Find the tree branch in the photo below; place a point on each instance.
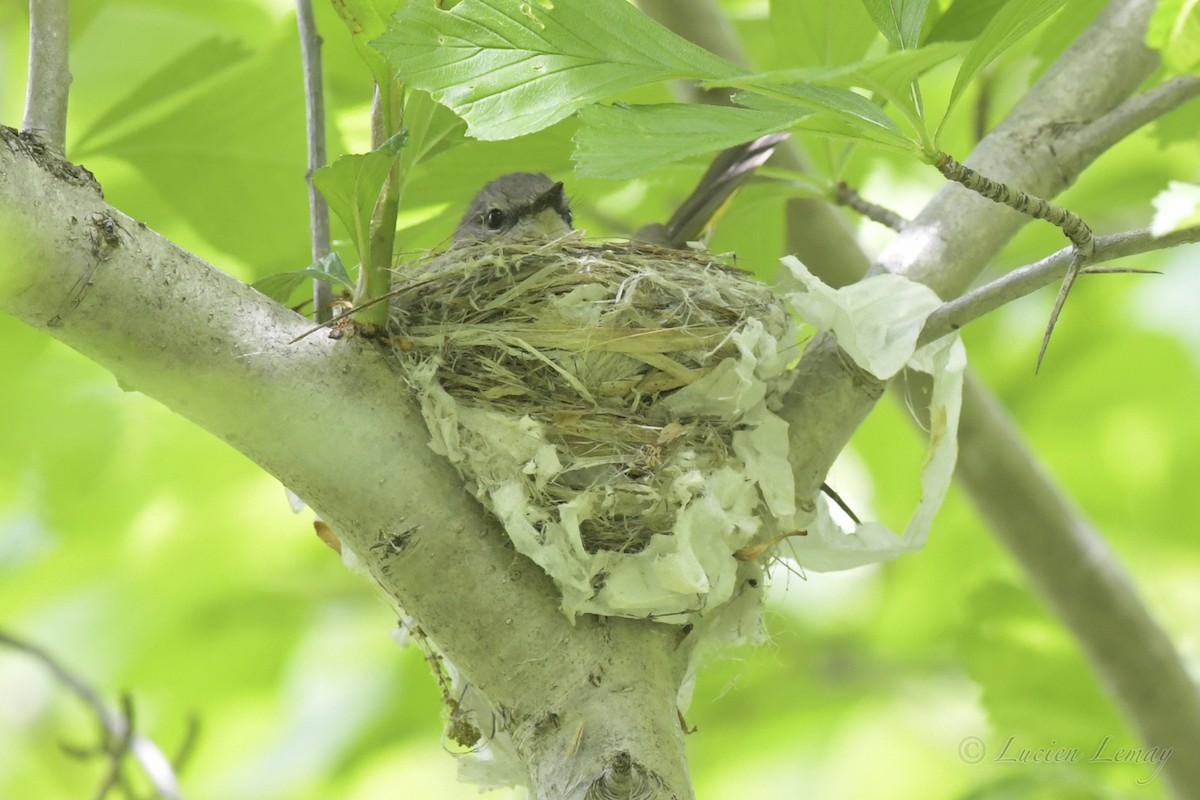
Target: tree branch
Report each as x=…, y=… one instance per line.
x=1072, y=567
x=1095, y=139
x=314, y=104
x=49, y=72
x=214, y=350
x=1099, y=135
x=1031, y=277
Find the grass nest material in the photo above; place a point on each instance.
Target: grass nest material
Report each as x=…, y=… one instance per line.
x=588, y=378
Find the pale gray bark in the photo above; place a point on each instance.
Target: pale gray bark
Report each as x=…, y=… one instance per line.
x=171, y=326
x=49, y=72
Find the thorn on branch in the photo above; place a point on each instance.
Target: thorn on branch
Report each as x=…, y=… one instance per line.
x=1070, y=223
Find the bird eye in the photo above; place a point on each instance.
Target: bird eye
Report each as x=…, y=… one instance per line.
x=568, y=217
x=494, y=219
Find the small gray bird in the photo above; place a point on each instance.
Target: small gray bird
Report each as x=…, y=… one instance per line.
x=519, y=205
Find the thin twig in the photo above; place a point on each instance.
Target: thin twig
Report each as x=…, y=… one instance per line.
x=314, y=103
x=117, y=748
x=49, y=72
x=116, y=730
x=849, y=197
x=837, y=498
x=1098, y=136
x=1031, y=277
x=66, y=677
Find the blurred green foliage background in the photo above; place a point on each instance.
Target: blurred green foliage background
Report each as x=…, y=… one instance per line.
x=153, y=559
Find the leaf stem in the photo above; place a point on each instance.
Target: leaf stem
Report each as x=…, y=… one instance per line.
x=1071, y=224
x=375, y=274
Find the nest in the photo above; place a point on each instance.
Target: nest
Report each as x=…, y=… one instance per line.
x=588, y=392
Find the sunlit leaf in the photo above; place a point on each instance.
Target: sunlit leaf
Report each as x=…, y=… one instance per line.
x=895, y=70
x=235, y=145
x=817, y=33
x=431, y=127
x=841, y=102
x=512, y=68
x=899, y=20
x=1178, y=206
x=964, y=20
x=834, y=126
x=365, y=20
x=1007, y=628
x=1017, y=18
x=352, y=185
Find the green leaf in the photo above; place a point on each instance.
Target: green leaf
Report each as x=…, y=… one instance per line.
x=841, y=102
x=367, y=19
x=899, y=20
x=1007, y=629
x=1175, y=32
x=626, y=141
x=889, y=77
x=895, y=70
x=352, y=185
x=838, y=102
x=432, y=129
x=843, y=127
x=1017, y=18
x=964, y=20
x=281, y=285
x=838, y=128
x=511, y=68
x=817, y=33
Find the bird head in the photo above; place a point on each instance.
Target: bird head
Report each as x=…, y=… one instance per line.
x=519, y=205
